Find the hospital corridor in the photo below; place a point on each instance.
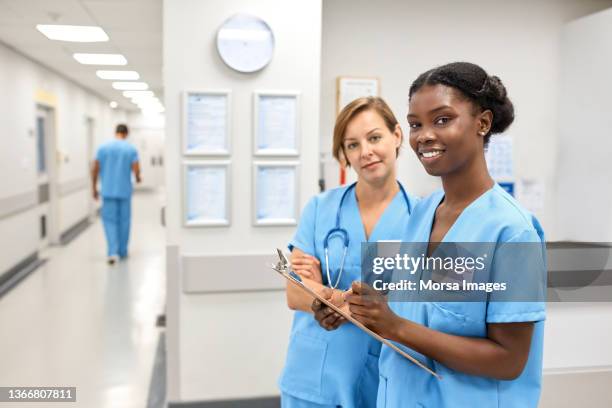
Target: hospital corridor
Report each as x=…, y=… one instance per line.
x=305, y=203
x=77, y=320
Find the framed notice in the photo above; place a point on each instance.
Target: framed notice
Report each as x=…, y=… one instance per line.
x=348, y=89
x=276, y=123
x=206, y=194
x=275, y=193
x=498, y=156
x=206, y=123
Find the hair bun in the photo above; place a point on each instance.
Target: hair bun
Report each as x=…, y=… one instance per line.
x=495, y=88
x=503, y=110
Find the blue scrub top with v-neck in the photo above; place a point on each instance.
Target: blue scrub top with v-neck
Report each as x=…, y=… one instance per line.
x=495, y=217
x=338, y=367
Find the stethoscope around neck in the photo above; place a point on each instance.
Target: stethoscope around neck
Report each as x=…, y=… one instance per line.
x=343, y=234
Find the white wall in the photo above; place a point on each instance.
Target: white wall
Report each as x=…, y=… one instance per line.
x=397, y=40
x=147, y=133
x=585, y=137
x=191, y=62
x=578, y=335
x=19, y=232
x=21, y=80
x=210, y=367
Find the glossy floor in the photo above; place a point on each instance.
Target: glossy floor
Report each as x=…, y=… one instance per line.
x=77, y=321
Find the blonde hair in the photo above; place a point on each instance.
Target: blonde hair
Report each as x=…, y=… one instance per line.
x=349, y=112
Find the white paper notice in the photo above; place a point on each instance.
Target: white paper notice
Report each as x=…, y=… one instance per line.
x=531, y=193
x=206, y=194
x=276, y=194
x=276, y=123
x=499, y=157
x=206, y=123
x=353, y=88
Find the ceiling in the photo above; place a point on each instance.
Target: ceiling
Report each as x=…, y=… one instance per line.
x=134, y=28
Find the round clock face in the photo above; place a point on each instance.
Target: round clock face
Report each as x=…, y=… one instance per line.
x=245, y=43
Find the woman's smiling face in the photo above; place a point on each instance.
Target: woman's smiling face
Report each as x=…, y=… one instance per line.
x=446, y=129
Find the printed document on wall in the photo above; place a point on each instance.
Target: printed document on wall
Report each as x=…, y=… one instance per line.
x=276, y=195
x=276, y=123
x=499, y=157
x=350, y=89
x=207, y=123
x=206, y=194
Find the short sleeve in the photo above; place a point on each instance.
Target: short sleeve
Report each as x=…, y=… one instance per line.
x=100, y=155
x=304, y=238
x=134, y=156
x=520, y=264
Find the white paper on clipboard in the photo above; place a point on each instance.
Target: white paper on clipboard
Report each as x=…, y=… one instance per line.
x=347, y=316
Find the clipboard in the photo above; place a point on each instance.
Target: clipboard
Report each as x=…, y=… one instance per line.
x=283, y=267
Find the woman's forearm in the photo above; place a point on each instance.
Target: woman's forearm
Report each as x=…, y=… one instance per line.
x=476, y=356
x=298, y=299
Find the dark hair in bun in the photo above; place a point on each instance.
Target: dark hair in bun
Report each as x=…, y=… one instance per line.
x=486, y=92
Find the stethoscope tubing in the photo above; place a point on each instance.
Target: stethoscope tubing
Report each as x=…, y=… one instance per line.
x=337, y=230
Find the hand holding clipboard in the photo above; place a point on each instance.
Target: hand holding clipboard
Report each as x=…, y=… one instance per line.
x=283, y=267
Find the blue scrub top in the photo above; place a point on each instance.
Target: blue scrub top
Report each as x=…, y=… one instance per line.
x=116, y=158
x=338, y=367
x=495, y=217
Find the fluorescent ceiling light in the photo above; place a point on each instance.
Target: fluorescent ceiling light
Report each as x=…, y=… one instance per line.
x=130, y=86
x=137, y=94
x=72, y=33
x=119, y=75
x=151, y=107
x=100, y=59
x=145, y=99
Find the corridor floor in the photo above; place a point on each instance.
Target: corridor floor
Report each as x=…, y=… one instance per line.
x=76, y=321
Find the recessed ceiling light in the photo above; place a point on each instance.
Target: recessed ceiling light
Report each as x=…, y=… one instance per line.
x=100, y=59
x=130, y=86
x=144, y=99
x=142, y=95
x=148, y=103
x=72, y=33
x=137, y=94
x=119, y=75
x=156, y=108
x=113, y=104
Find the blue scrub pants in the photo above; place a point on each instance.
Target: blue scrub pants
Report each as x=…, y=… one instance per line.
x=116, y=217
x=289, y=401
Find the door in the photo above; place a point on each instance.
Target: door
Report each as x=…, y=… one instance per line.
x=46, y=164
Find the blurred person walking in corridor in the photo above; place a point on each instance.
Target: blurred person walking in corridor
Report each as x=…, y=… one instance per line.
x=115, y=162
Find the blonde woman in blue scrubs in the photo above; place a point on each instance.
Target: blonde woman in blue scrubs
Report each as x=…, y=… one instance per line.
x=489, y=354
x=339, y=368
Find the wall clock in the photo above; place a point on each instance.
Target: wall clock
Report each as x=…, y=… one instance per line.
x=245, y=43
